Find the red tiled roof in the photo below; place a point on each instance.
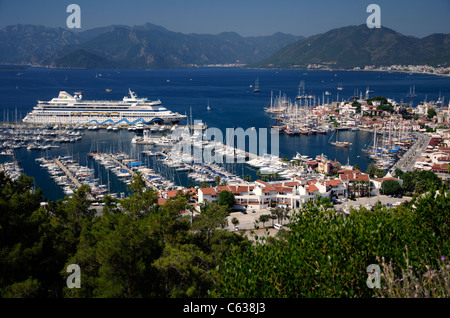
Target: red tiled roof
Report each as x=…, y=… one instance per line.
x=439, y=167
x=161, y=201
x=291, y=184
x=281, y=189
x=354, y=177
x=210, y=191
x=171, y=193
x=333, y=183
x=348, y=171
x=311, y=188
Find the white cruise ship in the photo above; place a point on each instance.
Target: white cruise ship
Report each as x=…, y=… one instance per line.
x=68, y=109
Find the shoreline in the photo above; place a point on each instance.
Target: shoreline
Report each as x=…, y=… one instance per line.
x=221, y=66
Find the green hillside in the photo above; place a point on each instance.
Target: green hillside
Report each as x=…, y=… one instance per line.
x=354, y=46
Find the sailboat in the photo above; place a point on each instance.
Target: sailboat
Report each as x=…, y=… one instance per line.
x=338, y=143
x=208, y=108
x=340, y=87
x=301, y=91
x=412, y=93
x=257, y=90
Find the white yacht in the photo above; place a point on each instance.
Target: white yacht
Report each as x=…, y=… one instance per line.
x=68, y=109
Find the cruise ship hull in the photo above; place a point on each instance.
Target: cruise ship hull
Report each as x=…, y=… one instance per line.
x=90, y=119
x=68, y=109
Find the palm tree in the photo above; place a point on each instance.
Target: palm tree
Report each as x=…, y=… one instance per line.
x=217, y=180
x=277, y=213
x=235, y=221
x=248, y=178
x=286, y=213
x=264, y=218
x=357, y=185
x=366, y=188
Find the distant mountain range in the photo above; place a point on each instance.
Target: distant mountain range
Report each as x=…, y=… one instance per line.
x=146, y=46
x=355, y=46
x=152, y=46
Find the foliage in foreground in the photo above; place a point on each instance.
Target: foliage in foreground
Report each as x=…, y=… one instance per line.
x=138, y=248
x=326, y=255
x=135, y=249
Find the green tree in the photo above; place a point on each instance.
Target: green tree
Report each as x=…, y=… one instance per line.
x=398, y=172
x=323, y=253
x=217, y=180
x=373, y=171
x=264, y=218
x=213, y=217
x=205, y=185
x=389, y=187
x=235, y=221
x=226, y=198
x=419, y=181
x=142, y=200
x=431, y=112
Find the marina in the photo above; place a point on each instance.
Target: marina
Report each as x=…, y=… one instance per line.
x=321, y=112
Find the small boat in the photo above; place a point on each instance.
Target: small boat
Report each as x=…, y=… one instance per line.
x=338, y=143
x=256, y=89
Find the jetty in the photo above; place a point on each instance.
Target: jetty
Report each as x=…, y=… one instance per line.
x=71, y=176
x=129, y=170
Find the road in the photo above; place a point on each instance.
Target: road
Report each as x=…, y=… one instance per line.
x=407, y=161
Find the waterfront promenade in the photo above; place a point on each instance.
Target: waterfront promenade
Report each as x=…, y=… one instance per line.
x=406, y=162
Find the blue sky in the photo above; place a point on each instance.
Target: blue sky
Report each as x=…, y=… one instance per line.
x=247, y=17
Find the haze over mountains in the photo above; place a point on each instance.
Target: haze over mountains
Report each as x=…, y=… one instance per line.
x=152, y=46
x=146, y=46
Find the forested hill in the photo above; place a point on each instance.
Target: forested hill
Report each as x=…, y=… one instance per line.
x=358, y=46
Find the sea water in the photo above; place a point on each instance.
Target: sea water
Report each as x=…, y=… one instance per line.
x=228, y=92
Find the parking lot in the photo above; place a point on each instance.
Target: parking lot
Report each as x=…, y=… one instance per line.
x=247, y=220
x=371, y=201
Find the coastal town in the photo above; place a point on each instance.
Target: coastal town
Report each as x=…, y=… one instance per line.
x=405, y=139
x=410, y=69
